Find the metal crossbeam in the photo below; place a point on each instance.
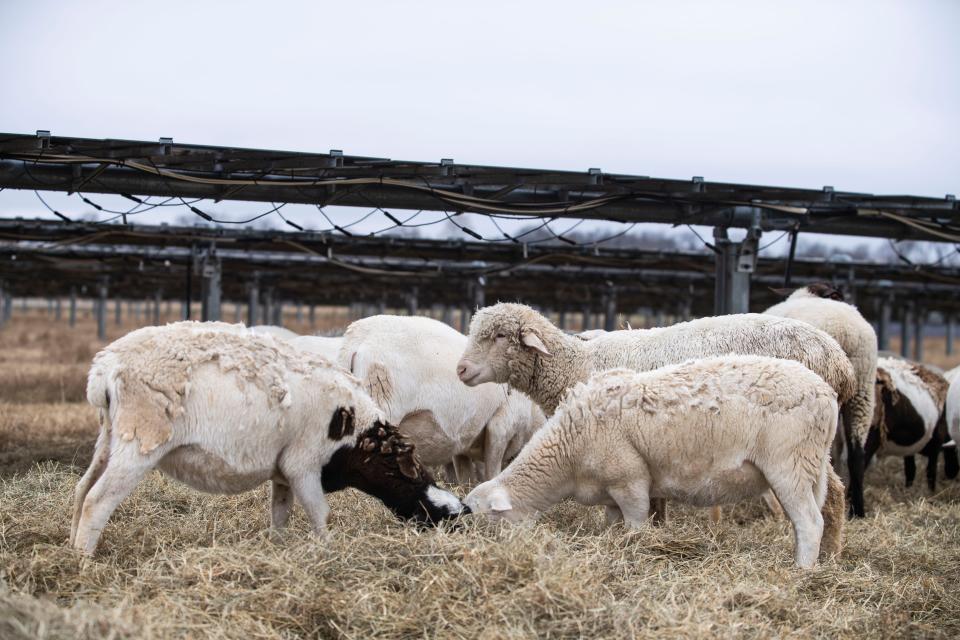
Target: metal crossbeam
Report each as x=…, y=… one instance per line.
x=193, y=171
x=53, y=258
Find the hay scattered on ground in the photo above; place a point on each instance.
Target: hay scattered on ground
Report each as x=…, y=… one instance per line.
x=176, y=563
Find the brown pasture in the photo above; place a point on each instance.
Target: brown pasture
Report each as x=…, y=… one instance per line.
x=175, y=563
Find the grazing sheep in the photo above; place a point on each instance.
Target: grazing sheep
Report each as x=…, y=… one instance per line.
x=223, y=411
x=952, y=414
x=822, y=306
x=908, y=416
x=329, y=348
x=273, y=330
x=408, y=365
x=513, y=343
x=624, y=437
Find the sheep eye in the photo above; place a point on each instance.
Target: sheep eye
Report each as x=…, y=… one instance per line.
x=501, y=335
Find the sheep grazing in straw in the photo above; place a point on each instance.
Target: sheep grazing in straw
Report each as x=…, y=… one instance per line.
x=407, y=365
x=515, y=344
x=822, y=306
x=909, y=416
x=624, y=437
x=224, y=410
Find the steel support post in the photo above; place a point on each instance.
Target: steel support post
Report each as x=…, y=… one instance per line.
x=73, y=306
x=948, y=319
x=118, y=312
x=312, y=316
x=735, y=262
x=210, y=273
x=157, y=301
x=58, y=309
x=412, y=305
x=253, y=303
x=102, y=310
x=919, y=322
x=267, y=306
x=3, y=305
x=585, y=317
x=883, y=323
x=610, y=310
x=562, y=319
x=446, y=315
x=479, y=293
x=299, y=312
x=905, y=321
x=277, y=313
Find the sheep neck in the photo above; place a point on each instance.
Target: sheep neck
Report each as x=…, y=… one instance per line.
x=548, y=378
x=540, y=475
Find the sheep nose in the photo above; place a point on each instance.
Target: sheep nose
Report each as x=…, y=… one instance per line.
x=461, y=369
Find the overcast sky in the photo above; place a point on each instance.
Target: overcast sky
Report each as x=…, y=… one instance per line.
x=864, y=96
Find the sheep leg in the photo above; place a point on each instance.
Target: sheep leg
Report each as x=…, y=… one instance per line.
x=124, y=470
x=101, y=454
x=634, y=502
x=464, y=469
x=773, y=505
x=932, y=453
x=909, y=470
x=856, y=465
x=951, y=462
x=658, y=508
x=281, y=502
x=494, y=448
x=450, y=472
x=613, y=515
x=801, y=508
x=309, y=492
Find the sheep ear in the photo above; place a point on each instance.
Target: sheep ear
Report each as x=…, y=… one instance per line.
x=341, y=423
x=783, y=293
x=532, y=340
x=500, y=501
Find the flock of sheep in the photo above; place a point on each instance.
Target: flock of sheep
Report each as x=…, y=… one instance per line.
x=706, y=412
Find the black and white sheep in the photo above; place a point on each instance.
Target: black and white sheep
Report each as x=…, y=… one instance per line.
x=908, y=417
x=224, y=410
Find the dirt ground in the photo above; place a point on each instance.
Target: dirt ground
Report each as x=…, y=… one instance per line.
x=175, y=563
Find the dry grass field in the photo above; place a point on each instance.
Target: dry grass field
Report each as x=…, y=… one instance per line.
x=175, y=563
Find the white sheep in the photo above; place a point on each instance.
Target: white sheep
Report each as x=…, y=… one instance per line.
x=224, y=410
x=324, y=346
x=822, y=306
x=515, y=344
x=953, y=423
x=624, y=437
x=408, y=364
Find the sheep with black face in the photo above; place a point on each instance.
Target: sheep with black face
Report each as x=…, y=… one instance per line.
x=223, y=411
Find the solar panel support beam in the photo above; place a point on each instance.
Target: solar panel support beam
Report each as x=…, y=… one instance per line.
x=735, y=262
x=102, y=291
x=210, y=272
